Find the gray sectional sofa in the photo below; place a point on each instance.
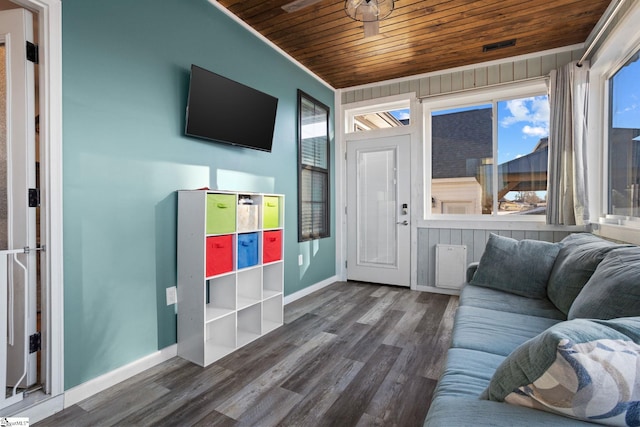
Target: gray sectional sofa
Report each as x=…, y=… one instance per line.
x=545, y=334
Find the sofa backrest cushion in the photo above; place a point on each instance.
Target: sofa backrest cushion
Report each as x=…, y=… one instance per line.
x=519, y=267
x=577, y=260
x=585, y=369
x=614, y=288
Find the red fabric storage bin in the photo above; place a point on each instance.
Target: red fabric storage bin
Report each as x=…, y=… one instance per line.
x=219, y=254
x=272, y=246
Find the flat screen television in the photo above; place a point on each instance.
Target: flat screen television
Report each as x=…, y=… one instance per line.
x=222, y=110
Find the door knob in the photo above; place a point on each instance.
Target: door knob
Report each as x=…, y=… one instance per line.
x=405, y=222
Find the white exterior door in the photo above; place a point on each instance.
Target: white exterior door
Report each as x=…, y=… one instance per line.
x=17, y=219
x=378, y=210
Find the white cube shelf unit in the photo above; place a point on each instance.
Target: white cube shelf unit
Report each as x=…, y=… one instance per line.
x=230, y=271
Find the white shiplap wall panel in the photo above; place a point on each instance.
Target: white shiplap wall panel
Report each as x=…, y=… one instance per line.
x=534, y=68
x=481, y=76
x=445, y=83
x=475, y=240
x=451, y=81
x=434, y=85
x=493, y=73
x=469, y=79
x=548, y=63
x=506, y=72
x=520, y=70
x=457, y=81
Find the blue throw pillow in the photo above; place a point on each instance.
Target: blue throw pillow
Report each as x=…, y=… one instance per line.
x=577, y=260
x=519, y=267
x=614, y=288
x=583, y=369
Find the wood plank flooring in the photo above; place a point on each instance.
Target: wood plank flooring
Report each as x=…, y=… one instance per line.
x=351, y=354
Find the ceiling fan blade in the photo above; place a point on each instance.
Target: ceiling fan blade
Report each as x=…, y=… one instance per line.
x=296, y=5
x=371, y=28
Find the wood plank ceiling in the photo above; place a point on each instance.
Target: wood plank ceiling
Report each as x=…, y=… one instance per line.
x=419, y=36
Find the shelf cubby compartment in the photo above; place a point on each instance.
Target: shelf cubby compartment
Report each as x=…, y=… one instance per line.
x=272, y=279
x=249, y=249
x=221, y=297
x=271, y=246
x=220, y=338
x=272, y=313
x=221, y=213
x=272, y=212
x=249, y=324
x=248, y=215
x=220, y=254
x=249, y=287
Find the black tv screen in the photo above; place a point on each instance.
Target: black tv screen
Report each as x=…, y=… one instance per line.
x=220, y=109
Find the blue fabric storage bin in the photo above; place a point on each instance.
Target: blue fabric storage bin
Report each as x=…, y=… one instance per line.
x=247, y=250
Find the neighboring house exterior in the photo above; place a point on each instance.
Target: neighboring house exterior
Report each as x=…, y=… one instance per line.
x=625, y=171
x=461, y=147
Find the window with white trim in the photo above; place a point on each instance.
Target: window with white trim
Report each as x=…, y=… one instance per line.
x=313, y=168
x=488, y=157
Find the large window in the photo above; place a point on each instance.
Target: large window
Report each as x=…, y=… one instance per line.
x=490, y=158
x=313, y=168
x=624, y=140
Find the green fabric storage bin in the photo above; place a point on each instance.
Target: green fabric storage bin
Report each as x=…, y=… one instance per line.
x=221, y=213
x=271, y=212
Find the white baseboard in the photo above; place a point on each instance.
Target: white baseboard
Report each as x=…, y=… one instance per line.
x=435, y=290
x=310, y=289
x=96, y=385
x=42, y=409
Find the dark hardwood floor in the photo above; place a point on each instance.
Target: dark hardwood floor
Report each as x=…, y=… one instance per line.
x=351, y=354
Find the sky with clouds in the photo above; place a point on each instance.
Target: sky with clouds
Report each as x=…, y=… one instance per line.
x=522, y=122
x=626, y=96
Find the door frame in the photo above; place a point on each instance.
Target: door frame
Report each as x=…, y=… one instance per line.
x=49, y=14
x=345, y=110
x=400, y=273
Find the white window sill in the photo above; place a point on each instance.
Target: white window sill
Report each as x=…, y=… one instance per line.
x=623, y=229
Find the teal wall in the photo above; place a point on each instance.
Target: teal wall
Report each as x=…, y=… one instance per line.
x=125, y=81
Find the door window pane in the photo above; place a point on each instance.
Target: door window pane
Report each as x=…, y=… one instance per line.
x=377, y=201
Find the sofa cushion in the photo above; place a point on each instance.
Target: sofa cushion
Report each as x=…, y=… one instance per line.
x=519, y=267
x=467, y=372
x=476, y=296
x=584, y=369
x=452, y=411
x=495, y=332
x=578, y=258
x=614, y=288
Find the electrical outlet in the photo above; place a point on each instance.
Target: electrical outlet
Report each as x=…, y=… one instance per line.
x=172, y=296
x=300, y=261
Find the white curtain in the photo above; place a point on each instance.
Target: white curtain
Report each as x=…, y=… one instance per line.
x=567, y=198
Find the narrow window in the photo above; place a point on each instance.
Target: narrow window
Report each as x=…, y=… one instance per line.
x=624, y=140
x=388, y=118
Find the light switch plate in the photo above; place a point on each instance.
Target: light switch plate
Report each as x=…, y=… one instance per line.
x=300, y=259
x=172, y=296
